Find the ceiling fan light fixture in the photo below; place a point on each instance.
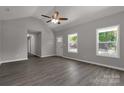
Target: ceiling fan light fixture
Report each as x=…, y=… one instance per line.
x=55, y=21
x=55, y=18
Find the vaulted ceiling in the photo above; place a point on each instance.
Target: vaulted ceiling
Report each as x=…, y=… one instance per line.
x=13, y=12
x=76, y=14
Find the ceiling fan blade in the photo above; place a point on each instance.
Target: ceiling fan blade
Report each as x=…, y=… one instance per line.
x=46, y=16
x=63, y=18
x=48, y=21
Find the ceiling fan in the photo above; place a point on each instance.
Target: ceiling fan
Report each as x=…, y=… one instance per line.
x=55, y=18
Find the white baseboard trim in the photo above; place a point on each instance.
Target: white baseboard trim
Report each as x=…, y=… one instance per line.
x=7, y=61
x=48, y=56
x=94, y=63
x=37, y=55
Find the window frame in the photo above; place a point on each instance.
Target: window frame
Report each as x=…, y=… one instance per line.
x=77, y=42
x=105, y=29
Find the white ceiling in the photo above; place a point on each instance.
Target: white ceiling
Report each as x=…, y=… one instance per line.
x=76, y=14
x=13, y=12
x=82, y=14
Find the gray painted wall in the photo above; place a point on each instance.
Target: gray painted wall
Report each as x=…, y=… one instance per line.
x=14, y=40
x=14, y=36
x=87, y=40
x=38, y=44
x=0, y=40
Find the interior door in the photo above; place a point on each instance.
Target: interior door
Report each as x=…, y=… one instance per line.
x=59, y=46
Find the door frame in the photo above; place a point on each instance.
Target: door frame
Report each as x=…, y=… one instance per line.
x=34, y=32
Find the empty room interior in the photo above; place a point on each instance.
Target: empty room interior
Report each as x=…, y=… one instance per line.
x=61, y=46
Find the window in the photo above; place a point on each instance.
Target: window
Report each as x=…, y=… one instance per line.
x=108, y=41
x=73, y=43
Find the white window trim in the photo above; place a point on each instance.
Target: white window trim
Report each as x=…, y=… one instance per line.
x=118, y=41
x=77, y=43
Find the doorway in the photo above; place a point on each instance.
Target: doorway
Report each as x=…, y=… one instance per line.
x=33, y=44
x=59, y=46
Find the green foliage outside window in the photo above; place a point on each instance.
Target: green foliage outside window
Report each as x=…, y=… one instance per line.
x=73, y=39
x=107, y=36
